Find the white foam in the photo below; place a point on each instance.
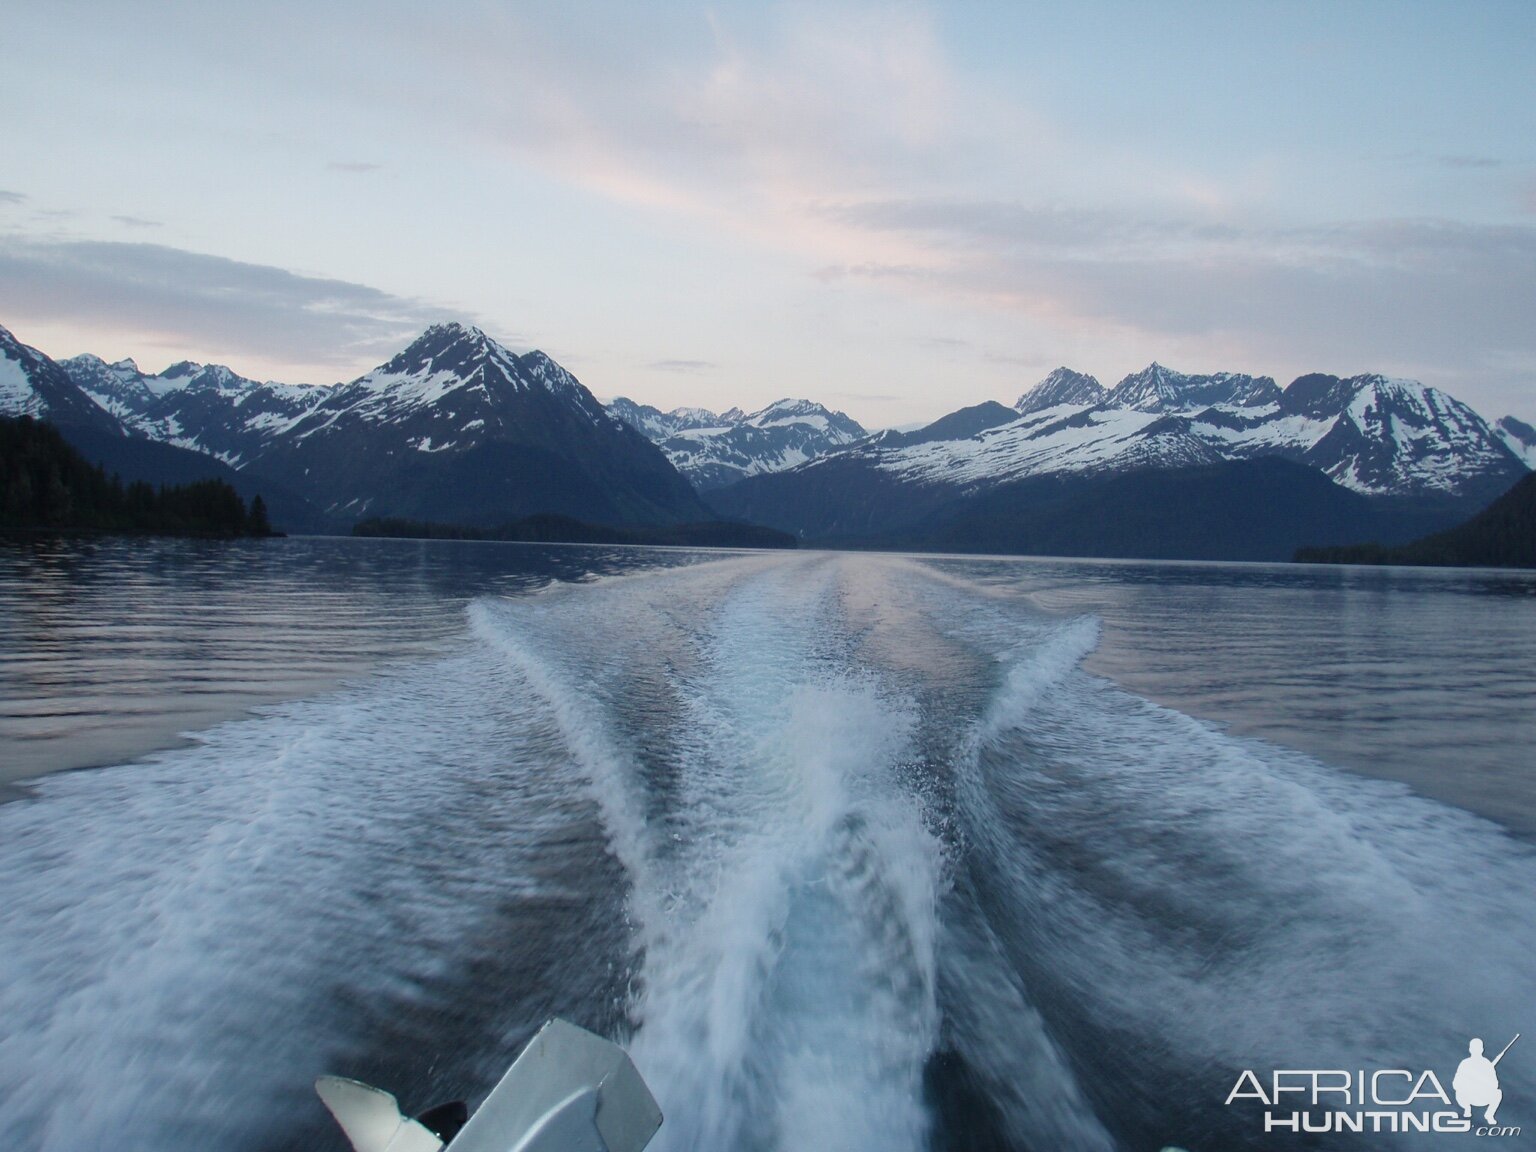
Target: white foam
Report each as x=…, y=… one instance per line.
x=173, y=928
x=785, y=898
x=1240, y=905
x=790, y=994
x=769, y=743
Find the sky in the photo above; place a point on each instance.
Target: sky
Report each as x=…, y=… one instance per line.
x=895, y=209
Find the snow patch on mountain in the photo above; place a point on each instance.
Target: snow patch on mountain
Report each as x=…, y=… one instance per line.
x=32, y=384
x=451, y=374
x=1063, y=438
x=715, y=449
x=1373, y=434
x=456, y=420
x=1062, y=386
x=1159, y=389
x=207, y=408
x=657, y=425
x=1519, y=437
x=16, y=395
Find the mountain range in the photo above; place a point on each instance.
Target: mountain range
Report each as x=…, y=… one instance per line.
x=716, y=450
x=457, y=429
x=1418, y=459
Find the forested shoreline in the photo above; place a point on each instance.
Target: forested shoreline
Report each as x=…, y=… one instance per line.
x=46, y=485
x=1502, y=535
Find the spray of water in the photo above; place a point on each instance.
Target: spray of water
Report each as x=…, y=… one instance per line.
x=828, y=822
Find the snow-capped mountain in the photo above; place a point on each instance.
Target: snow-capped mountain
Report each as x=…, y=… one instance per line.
x=1385, y=436
x=31, y=384
x=454, y=387
x=458, y=428
x=1371, y=435
x=105, y=423
x=455, y=428
x=715, y=450
x=1159, y=389
x=1374, y=435
x=657, y=425
x=1063, y=386
x=207, y=408
x=119, y=388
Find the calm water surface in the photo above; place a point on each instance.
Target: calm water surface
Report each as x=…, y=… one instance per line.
x=112, y=648
x=852, y=851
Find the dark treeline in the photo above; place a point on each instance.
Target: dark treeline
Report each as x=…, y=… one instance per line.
x=551, y=529
x=46, y=484
x=1502, y=535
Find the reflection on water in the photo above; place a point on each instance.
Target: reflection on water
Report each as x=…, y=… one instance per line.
x=109, y=648
x=1420, y=675
x=112, y=648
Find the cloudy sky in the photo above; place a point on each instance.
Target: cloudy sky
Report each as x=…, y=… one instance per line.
x=893, y=208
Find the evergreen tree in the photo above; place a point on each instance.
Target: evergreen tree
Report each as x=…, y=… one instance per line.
x=258, y=525
x=46, y=484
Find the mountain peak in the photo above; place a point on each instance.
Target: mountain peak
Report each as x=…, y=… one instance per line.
x=658, y=425
x=1062, y=386
x=1320, y=395
x=696, y=417
x=1158, y=388
x=188, y=374
x=552, y=376
x=103, y=381
x=127, y=366
x=454, y=334
x=461, y=359
x=714, y=449
x=454, y=330
x=454, y=347
x=804, y=412
x=34, y=384
x=789, y=406
x=536, y=360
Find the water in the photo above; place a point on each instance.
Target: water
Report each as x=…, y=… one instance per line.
x=1417, y=674
x=114, y=647
x=853, y=852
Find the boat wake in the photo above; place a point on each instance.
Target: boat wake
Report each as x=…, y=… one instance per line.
x=849, y=853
